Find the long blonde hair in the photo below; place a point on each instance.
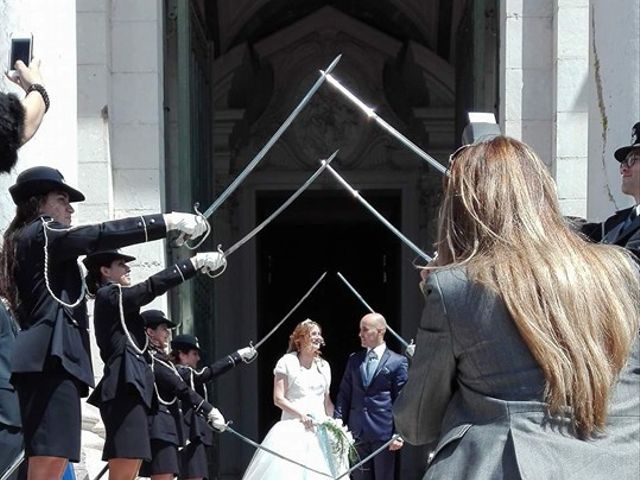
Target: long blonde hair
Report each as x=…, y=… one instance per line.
x=576, y=304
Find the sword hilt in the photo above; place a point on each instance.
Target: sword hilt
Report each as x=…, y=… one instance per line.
x=182, y=239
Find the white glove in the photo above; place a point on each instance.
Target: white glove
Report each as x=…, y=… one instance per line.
x=192, y=225
x=215, y=418
x=247, y=353
x=209, y=261
x=410, y=350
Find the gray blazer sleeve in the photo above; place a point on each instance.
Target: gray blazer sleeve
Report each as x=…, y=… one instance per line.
x=421, y=405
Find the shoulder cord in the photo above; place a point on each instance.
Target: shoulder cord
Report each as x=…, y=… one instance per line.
x=126, y=330
x=83, y=286
x=155, y=385
x=204, y=387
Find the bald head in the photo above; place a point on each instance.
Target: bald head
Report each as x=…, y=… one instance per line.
x=372, y=329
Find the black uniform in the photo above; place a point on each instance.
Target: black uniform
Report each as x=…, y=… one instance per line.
x=166, y=425
x=193, y=457
x=125, y=395
x=51, y=362
x=10, y=426
x=614, y=231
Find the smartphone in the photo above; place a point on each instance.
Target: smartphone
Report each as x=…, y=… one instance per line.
x=21, y=49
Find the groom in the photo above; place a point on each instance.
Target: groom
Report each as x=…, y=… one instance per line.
x=370, y=385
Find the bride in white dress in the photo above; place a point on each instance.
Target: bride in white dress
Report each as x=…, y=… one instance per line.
x=301, y=390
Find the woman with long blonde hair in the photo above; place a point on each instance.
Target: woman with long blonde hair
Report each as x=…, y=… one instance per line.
x=527, y=355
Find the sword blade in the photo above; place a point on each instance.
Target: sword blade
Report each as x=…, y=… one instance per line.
x=368, y=307
x=14, y=466
x=373, y=454
x=238, y=180
x=377, y=214
x=272, y=452
x=289, y=201
x=380, y=121
x=295, y=307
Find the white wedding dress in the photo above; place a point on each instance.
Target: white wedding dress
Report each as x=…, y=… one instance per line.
x=306, y=389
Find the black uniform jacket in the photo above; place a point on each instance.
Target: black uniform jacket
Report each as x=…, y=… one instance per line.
x=49, y=329
x=196, y=427
x=166, y=424
x=123, y=364
x=9, y=407
x=610, y=231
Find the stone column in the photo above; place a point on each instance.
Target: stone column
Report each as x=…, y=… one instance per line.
x=570, y=104
x=543, y=84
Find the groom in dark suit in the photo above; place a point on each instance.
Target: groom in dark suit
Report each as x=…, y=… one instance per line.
x=623, y=228
x=370, y=385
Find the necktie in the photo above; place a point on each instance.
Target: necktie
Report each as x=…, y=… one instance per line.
x=370, y=367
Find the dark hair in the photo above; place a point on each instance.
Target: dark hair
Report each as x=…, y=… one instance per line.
x=176, y=351
x=26, y=212
x=93, y=280
x=11, y=130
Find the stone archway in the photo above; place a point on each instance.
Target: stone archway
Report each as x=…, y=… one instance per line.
x=255, y=88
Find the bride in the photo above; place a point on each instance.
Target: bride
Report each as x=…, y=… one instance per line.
x=301, y=390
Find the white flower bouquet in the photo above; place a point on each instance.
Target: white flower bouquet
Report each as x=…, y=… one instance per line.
x=339, y=442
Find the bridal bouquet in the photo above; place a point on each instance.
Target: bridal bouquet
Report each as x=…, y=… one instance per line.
x=339, y=441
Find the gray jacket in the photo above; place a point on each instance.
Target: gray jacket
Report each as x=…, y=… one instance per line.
x=475, y=388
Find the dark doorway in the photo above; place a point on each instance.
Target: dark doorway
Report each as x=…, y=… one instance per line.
x=324, y=231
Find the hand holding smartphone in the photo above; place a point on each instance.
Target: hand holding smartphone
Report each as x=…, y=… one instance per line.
x=21, y=49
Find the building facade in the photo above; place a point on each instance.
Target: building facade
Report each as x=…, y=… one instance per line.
x=157, y=104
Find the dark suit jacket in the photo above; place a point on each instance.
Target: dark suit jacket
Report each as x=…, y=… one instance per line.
x=122, y=363
x=166, y=423
x=610, y=231
x=475, y=388
x=50, y=331
x=367, y=410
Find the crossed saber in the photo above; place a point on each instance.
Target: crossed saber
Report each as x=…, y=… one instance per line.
x=182, y=239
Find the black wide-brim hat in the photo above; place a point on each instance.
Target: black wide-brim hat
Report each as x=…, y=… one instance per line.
x=622, y=152
x=104, y=258
x=185, y=342
x=40, y=181
x=154, y=318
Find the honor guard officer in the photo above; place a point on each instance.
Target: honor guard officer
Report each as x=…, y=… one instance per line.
x=51, y=364
x=125, y=395
x=185, y=352
x=166, y=424
x=623, y=228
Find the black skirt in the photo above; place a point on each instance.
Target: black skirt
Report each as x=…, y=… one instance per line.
x=164, y=459
x=50, y=411
x=126, y=423
x=193, y=461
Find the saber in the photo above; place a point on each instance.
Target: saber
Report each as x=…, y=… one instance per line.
x=296, y=194
x=362, y=462
x=102, y=472
x=358, y=197
x=14, y=466
x=272, y=452
x=295, y=307
x=368, y=307
x=372, y=114
x=230, y=189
